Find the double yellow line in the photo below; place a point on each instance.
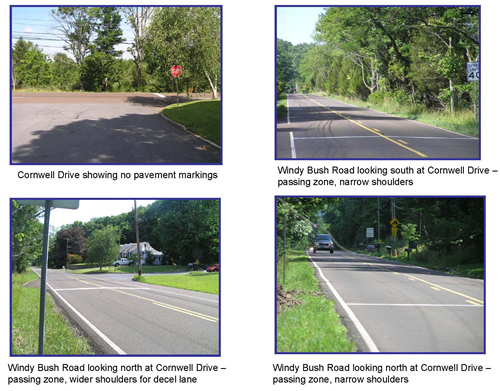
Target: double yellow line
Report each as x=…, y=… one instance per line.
x=471, y=299
x=158, y=303
x=399, y=143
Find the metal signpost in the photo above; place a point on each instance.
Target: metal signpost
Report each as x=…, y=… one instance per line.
x=48, y=204
x=473, y=75
x=176, y=71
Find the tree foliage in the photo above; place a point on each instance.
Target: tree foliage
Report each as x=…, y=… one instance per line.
x=162, y=37
x=443, y=226
x=104, y=246
x=410, y=55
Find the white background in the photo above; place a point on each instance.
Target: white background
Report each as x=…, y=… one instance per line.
x=247, y=186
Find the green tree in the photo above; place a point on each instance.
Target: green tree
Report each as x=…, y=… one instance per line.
x=108, y=30
x=34, y=70
x=103, y=246
x=65, y=72
x=189, y=230
x=99, y=71
x=21, y=47
x=138, y=19
x=68, y=241
x=75, y=26
x=27, y=236
x=190, y=37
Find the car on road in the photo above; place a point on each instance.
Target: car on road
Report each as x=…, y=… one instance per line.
x=323, y=242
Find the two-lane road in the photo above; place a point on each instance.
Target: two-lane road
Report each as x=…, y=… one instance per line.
x=322, y=128
x=101, y=128
x=393, y=307
x=127, y=317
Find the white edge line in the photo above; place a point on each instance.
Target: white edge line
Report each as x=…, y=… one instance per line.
x=160, y=95
x=106, y=339
x=362, y=331
x=292, y=146
x=416, y=305
x=407, y=119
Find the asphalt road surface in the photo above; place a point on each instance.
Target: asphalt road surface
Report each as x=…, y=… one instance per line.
x=128, y=317
x=100, y=128
x=321, y=128
x=403, y=308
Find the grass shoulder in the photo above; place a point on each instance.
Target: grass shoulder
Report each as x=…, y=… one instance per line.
x=202, y=117
x=461, y=122
x=193, y=281
x=281, y=108
x=60, y=337
x=307, y=320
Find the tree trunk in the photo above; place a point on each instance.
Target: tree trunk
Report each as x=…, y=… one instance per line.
x=214, y=87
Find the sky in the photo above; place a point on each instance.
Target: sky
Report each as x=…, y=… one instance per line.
x=297, y=24
x=36, y=24
x=89, y=209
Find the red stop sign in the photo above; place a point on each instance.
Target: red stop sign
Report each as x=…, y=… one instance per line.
x=176, y=70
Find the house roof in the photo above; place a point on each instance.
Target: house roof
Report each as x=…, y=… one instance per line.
x=132, y=248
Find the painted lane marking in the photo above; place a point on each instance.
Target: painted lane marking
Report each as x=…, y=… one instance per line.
x=160, y=95
x=429, y=283
x=436, y=289
x=416, y=305
x=404, y=142
x=396, y=137
x=87, y=322
x=97, y=288
x=169, y=292
x=370, y=130
x=476, y=304
x=362, y=331
x=292, y=146
x=169, y=306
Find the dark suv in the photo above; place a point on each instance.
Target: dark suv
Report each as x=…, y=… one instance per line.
x=323, y=242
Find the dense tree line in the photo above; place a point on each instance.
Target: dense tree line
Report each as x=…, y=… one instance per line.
x=411, y=55
x=186, y=36
x=184, y=230
x=442, y=227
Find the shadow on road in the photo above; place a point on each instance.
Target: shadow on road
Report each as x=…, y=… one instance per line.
x=128, y=139
x=155, y=101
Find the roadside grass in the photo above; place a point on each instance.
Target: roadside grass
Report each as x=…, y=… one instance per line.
x=451, y=264
x=281, y=109
x=60, y=337
x=194, y=281
x=462, y=122
x=313, y=324
x=132, y=269
x=202, y=117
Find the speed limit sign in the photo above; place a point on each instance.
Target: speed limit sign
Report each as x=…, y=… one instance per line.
x=472, y=71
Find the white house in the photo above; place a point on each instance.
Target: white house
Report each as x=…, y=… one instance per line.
x=145, y=247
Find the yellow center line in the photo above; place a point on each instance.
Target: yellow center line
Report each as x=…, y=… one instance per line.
x=472, y=302
x=158, y=303
x=436, y=289
x=370, y=130
x=404, y=142
x=376, y=130
x=429, y=283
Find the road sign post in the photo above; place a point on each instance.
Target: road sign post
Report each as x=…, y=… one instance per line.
x=47, y=204
x=176, y=71
x=473, y=75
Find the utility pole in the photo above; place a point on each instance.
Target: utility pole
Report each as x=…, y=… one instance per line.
x=139, y=268
x=284, y=253
x=67, y=245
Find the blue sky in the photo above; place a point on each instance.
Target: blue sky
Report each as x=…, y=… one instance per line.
x=296, y=24
x=36, y=24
